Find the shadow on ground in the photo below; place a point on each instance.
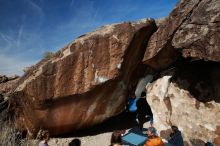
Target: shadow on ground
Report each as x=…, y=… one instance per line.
x=125, y=120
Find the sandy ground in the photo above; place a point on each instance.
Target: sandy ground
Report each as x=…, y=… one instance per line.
x=99, y=135
x=96, y=140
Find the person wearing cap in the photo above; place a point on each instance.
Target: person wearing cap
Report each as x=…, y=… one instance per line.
x=154, y=139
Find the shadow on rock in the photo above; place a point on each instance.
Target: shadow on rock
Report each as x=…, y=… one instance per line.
x=122, y=121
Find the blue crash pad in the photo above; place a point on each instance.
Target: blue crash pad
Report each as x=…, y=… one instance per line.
x=134, y=139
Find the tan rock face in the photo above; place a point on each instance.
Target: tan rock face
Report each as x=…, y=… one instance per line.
x=192, y=29
x=84, y=83
x=189, y=99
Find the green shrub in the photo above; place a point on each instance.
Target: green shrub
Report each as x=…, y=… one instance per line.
x=9, y=136
x=48, y=55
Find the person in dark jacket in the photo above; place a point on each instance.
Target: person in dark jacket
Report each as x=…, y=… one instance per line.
x=143, y=111
x=176, y=138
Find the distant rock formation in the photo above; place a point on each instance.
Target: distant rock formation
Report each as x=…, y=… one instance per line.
x=86, y=82
x=7, y=84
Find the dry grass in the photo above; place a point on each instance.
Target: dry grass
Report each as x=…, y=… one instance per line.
x=9, y=136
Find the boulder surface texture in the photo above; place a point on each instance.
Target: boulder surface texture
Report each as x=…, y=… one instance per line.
x=191, y=30
x=190, y=100
x=84, y=83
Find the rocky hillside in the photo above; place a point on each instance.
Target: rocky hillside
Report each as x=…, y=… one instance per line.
x=90, y=79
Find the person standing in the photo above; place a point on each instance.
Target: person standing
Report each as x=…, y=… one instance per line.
x=144, y=112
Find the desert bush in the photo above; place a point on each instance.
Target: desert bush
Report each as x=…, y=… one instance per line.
x=48, y=55
x=9, y=136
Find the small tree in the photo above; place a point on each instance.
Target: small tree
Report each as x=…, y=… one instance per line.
x=48, y=55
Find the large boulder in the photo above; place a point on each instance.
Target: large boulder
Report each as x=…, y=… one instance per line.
x=191, y=30
x=198, y=36
x=189, y=98
x=84, y=83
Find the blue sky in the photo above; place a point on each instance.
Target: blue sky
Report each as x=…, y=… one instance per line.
x=28, y=28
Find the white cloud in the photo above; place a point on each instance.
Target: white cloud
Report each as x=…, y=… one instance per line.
x=31, y=40
x=17, y=51
x=10, y=65
x=36, y=7
x=5, y=42
x=72, y=3
x=20, y=32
